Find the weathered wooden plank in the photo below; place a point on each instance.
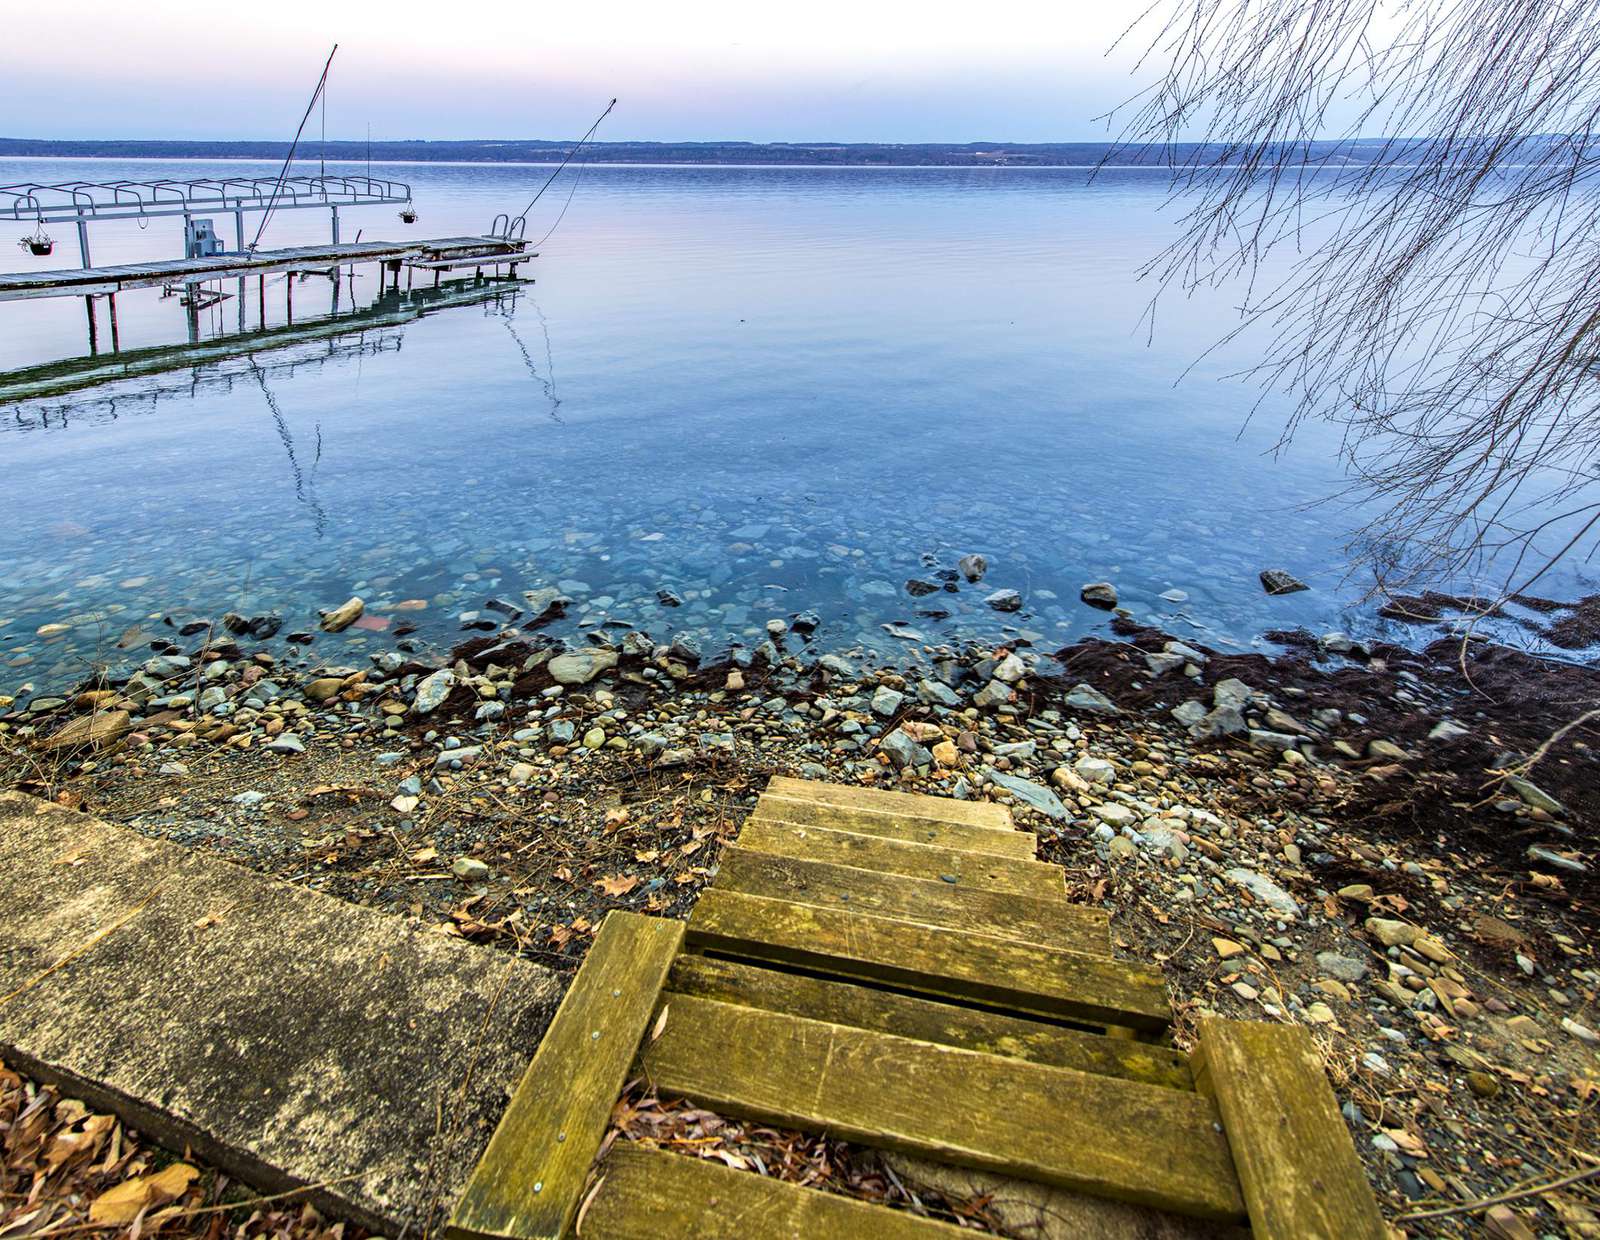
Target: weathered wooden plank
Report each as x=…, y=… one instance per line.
x=910, y=804
x=930, y=901
x=1093, y=1134
x=1020, y=844
x=1301, y=1176
x=927, y=1020
x=79, y=281
x=999, y=973
x=529, y=1181
x=876, y=852
x=647, y=1194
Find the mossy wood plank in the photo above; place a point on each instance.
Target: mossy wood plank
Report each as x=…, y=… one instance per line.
x=1089, y=1133
x=998, y=973
x=1021, y=844
x=908, y=804
x=1301, y=1176
x=530, y=1178
x=648, y=1194
x=927, y=1020
x=930, y=901
x=1039, y=879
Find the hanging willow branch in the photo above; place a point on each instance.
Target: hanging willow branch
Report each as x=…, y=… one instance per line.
x=1437, y=293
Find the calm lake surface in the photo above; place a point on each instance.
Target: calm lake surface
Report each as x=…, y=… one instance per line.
x=766, y=391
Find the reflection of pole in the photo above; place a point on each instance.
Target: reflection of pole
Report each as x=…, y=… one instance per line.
x=94, y=339
x=111, y=310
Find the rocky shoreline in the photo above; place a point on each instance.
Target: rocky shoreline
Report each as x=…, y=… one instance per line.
x=1344, y=836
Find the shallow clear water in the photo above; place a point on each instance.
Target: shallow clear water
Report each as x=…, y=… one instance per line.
x=766, y=390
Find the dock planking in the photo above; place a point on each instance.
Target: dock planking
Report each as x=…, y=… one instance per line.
x=939, y=901
x=928, y=1020
x=985, y=871
x=1078, y=1130
x=95, y=281
x=863, y=991
x=957, y=835
x=908, y=956
x=1300, y=1174
x=531, y=1178
x=652, y=1195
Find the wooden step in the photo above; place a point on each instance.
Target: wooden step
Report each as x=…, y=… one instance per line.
x=1020, y=844
x=930, y=901
x=1299, y=1171
x=908, y=804
x=1078, y=1130
x=531, y=1177
x=875, y=852
x=927, y=1020
x=648, y=1194
x=995, y=972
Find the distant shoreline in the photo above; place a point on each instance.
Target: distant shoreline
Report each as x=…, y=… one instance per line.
x=696, y=154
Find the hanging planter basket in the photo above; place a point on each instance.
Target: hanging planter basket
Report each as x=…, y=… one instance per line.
x=408, y=215
x=38, y=244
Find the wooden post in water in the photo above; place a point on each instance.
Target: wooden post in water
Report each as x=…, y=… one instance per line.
x=111, y=311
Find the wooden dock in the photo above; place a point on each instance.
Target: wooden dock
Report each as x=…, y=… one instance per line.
x=434, y=255
x=902, y=972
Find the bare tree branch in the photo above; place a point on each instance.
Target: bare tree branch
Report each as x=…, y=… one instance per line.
x=1435, y=293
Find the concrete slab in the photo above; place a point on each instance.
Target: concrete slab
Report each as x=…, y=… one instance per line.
x=287, y=1036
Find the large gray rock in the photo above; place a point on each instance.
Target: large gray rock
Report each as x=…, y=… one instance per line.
x=1267, y=891
x=1279, y=581
x=1088, y=698
x=579, y=667
x=903, y=751
x=432, y=690
x=885, y=701
x=1004, y=600
x=1035, y=796
x=1100, y=594
x=286, y=1036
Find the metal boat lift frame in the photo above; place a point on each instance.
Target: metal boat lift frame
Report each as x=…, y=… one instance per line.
x=80, y=202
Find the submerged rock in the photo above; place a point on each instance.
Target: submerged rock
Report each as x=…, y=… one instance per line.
x=1005, y=600
x=343, y=616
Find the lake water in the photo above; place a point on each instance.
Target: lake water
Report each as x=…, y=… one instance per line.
x=765, y=391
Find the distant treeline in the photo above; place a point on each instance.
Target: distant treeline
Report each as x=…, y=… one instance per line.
x=887, y=154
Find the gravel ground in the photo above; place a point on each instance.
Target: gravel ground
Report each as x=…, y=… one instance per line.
x=1347, y=838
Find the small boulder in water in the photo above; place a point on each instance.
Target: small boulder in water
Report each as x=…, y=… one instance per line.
x=972, y=567
x=1278, y=581
x=1100, y=594
x=339, y=618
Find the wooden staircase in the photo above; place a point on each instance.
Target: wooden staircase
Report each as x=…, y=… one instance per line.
x=902, y=972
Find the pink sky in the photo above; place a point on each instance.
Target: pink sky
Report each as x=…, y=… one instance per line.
x=862, y=71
